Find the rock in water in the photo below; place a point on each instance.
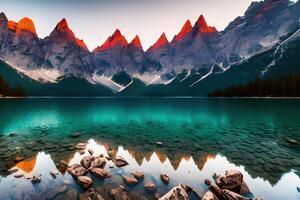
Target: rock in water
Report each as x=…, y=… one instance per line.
x=119, y=194
x=84, y=181
x=179, y=193
x=130, y=180
x=138, y=174
x=76, y=170
x=229, y=195
x=99, y=172
x=63, y=165
x=94, y=195
x=86, y=161
x=230, y=181
x=209, y=196
x=18, y=175
x=150, y=186
x=53, y=173
x=165, y=178
x=75, y=135
x=36, y=180
x=91, y=151
x=120, y=162
x=98, y=162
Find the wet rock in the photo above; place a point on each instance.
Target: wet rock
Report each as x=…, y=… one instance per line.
x=229, y=195
x=94, y=195
x=120, y=162
x=76, y=170
x=63, y=165
x=209, y=196
x=99, y=172
x=179, y=192
x=28, y=177
x=67, y=182
x=84, y=181
x=150, y=186
x=53, y=173
x=86, y=161
x=230, y=180
x=119, y=194
x=130, y=180
x=214, y=188
x=111, y=154
x=98, y=162
x=138, y=174
x=13, y=170
x=165, y=178
x=13, y=134
x=81, y=146
x=18, y=175
x=81, y=152
x=75, y=135
x=36, y=180
x=159, y=143
x=91, y=151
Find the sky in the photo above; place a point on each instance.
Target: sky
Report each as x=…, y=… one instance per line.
x=95, y=20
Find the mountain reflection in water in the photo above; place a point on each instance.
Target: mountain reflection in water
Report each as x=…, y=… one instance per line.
x=184, y=169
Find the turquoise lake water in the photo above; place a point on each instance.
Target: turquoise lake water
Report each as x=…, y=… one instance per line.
x=259, y=137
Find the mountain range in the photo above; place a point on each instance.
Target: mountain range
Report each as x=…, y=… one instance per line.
x=198, y=60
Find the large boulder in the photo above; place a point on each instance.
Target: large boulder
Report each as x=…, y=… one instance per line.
x=229, y=195
x=209, y=196
x=119, y=161
x=99, y=172
x=84, y=181
x=86, y=161
x=181, y=192
x=98, y=162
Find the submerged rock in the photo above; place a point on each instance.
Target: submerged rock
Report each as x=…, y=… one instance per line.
x=120, y=162
x=94, y=195
x=150, y=186
x=179, y=192
x=138, y=174
x=77, y=170
x=91, y=151
x=63, y=165
x=229, y=195
x=165, y=178
x=18, y=175
x=130, y=180
x=35, y=180
x=99, y=172
x=84, y=181
x=119, y=194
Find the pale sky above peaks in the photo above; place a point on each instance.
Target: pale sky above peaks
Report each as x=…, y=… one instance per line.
x=95, y=20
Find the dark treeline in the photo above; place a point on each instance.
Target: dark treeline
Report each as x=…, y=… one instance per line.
x=6, y=90
x=285, y=87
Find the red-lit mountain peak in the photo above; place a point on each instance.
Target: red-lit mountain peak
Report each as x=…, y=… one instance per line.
x=81, y=43
x=202, y=27
x=136, y=42
x=12, y=25
x=25, y=24
x=161, y=42
x=117, y=39
x=63, y=27
x=187, y=28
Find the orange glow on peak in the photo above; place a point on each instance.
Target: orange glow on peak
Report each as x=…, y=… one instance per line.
x=161, y=42
x=202, y=27
x=27, y=165
x=25, y=24
x=187, y=28
x=136, y=41
x=117, y=39
x=12, y=25
x=81, y=43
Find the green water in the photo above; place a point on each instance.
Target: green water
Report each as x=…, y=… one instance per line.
x=260, y=137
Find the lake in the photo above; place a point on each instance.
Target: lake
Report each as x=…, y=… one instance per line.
x=187, y=138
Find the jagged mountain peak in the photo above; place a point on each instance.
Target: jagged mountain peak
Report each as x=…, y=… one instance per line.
x=187, y=28
x=161, y=42
x=202, y=27
x=25, y=24
x=3, y=16
x=136, y=42
x=116, y=40
x=63, y=27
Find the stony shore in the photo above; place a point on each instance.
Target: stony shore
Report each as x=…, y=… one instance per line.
x=229, y=186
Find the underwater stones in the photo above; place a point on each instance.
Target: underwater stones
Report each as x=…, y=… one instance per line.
x=120, y=162
x=63, y=165
x=13, y=134
x=130, y=180
x=150, y=186
x=119, y=194
x=53, y=173
x=98, y=162
x=138, y=174
x=91, y=151
x=94, y=195
x=36, y=180
x=84, y=181
x=75, y=135
x=99, y=172
x=179, y=192
x=165, y=178
x=18, y=175
x=77, y=170
x=86, y=161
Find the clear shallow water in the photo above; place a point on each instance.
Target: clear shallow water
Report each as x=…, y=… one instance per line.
x=200, y=137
